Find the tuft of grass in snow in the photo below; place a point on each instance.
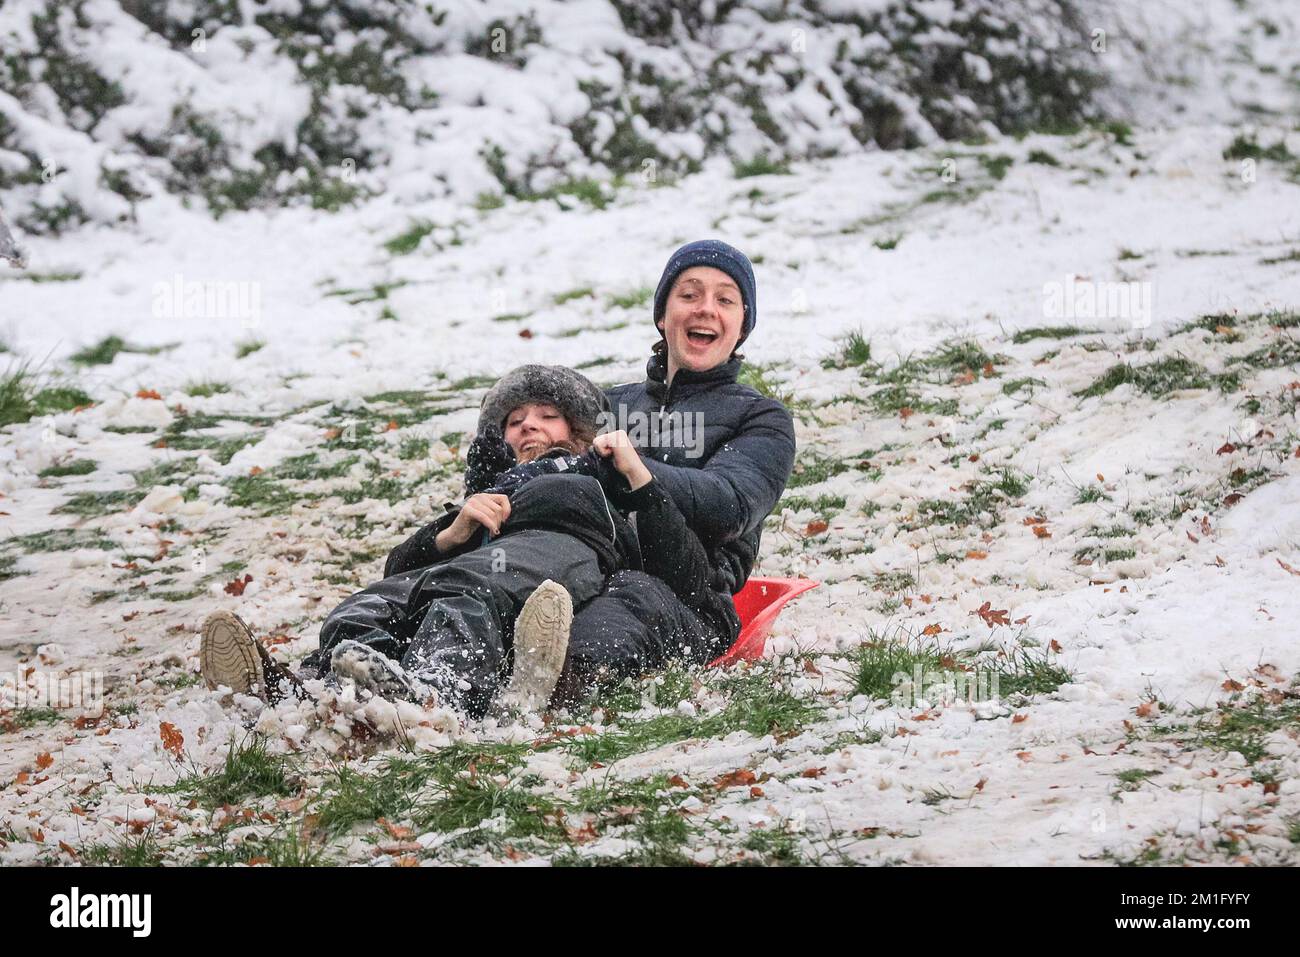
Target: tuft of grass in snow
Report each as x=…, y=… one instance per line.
x=107, y=349
x=757, y=702
x=1159, y=378
x=142, y=850
x=1132, y=779
x=1022, y=673
x=1244, y=726
x=878, y=664
x=761, y=379
x=28, y=718
x=22, y=400
x=1247, y=147
x=1049, y=332
x=1042, y=157
x=634, y=299
x=97, y=504
x=78, y=467
x=206, y=389
x=812, y=468
x=460, y=786
x=982, y=503
x=409, y=240
x=250, y=772
x=855, y=350
x=248, y=347
x=760, y=165
x=645, y=812
x=59, y=540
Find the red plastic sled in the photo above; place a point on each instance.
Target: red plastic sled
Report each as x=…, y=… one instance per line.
x=758, y=604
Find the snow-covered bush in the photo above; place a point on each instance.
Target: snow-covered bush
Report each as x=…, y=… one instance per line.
x=243, y=103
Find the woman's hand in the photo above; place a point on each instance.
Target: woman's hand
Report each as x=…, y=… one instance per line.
x=484, y=510
x=626, y=458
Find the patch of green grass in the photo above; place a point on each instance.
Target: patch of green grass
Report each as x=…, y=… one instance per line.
x=1028, y=383
x=812, y=468
x=961, y=356
x=98, y=504
x=760, y=165
x=758, y=703
x=9, y=568
x=1247, y=147
x=776, y=847
x=1159, y=378
x=472, y=382
x=1284, y=351
x=167, y=472
x=43, y=277
x=77, y=467
x=486, y=201
x=887, y=244
x=645, y=812
x=996, y=166
x=413, y=448
x=1244, y=726
x=1049, y=332
x=634, y=299
x=250, y=772
x=454, y=787
x=143, y=850
x=1023, y=673
x=409, y=240
x=511, y=317
x=376, y=293
x=288, y=846
x=824, y=505
x=1290, y=256
x=1090, y=493
x=598, y=361
x=248, y=347
x=583, y=292
x=893, y=399
x=1121, y=131
x=1132, y=779
x=28, y=718
x=21, y=399
x=893, y=581
x=879, y=667
x=1043, y=158
x=982, y=503
x=260, y=492
x=107, y=349
x=59, y=540
x=206, y=389
x=855, y=350
x=761, y=378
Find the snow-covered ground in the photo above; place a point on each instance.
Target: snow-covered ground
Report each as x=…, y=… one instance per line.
x=1126, y=560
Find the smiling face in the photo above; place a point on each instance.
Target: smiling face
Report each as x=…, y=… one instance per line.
x=535, y=428
x=702, y=319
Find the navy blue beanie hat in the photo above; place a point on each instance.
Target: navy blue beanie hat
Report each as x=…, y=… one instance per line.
x=715, y=253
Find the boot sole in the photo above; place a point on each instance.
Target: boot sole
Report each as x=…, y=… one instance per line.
x=541, y=643
x=228, y=655
x=360, y=665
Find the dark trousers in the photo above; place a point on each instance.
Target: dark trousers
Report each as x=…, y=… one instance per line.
x=637, y=624
x=452, y=624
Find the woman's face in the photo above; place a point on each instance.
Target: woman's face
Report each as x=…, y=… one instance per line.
x=702, y=319
x=535, y=428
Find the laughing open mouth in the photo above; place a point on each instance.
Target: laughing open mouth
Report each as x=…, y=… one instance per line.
x=701, y=337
